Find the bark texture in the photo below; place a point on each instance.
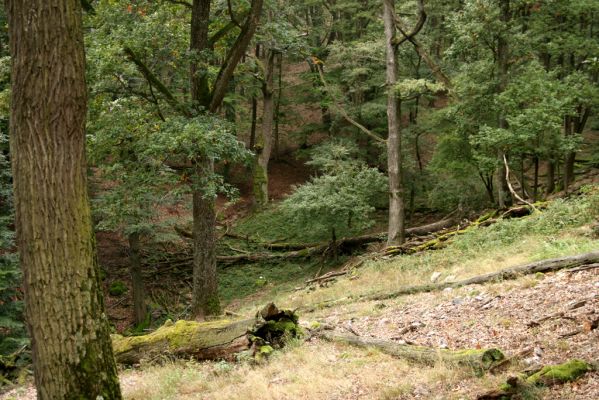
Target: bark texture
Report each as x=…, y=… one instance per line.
x=72, y=353
x=395, y=234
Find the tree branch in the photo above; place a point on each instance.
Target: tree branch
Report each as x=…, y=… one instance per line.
x=153, y=80
x=509, y=184
x=237, y=50
x=417, y=27
x=345, y=115
x=232, y=14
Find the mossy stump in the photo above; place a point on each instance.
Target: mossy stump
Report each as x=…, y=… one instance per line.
x=221, y=339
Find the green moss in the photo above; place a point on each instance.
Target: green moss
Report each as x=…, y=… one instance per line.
x=554, y=374
x=117, y=288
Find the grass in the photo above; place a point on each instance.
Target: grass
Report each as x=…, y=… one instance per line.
x=560, y=230
x=312, y=371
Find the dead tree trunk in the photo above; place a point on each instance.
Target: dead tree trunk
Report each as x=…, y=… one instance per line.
x=543, y=266
x=209, y=340
x=479, y=360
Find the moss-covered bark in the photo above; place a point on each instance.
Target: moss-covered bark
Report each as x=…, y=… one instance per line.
x=72, y=353
x=548, y=376
x=209, y=340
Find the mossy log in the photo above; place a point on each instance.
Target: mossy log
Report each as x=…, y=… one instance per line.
x=548, y=376
x=543, y=266
x=479, y=360
x=221, y=339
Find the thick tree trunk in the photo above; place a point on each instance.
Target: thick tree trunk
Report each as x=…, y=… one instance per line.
x=209, y=340
x=479, y=360
x=205, y=288
x=394, y=163
x=139, y=292
x=72, y=355
x=205, y=299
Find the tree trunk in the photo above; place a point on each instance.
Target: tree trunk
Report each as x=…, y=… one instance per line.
x=550, y=177
x=535, y=192
x=253, y=125
x=265, y=146
x=205, y=285
x=276, y=148
x=72, y=355
x=396, y=200
x=205, y=299
x=139, y=295
x=570, y=156
x=210, y=340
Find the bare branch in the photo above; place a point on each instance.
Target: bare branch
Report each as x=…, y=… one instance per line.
x=155, y=81
x=509, y=184
x=417, y=27
x=345, y=115
x=234, y=19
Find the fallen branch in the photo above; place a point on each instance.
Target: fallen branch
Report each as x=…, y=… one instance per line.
x=209, y=340
x=548, y=376
x=478, y=359
x=551, y=265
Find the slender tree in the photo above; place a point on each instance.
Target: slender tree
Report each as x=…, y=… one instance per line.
x=72, y=351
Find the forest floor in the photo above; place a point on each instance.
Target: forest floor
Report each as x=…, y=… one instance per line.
x=478, y=316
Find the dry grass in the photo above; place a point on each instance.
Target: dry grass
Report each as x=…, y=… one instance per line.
x=313, y=371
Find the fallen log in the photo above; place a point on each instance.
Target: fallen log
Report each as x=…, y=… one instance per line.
x=221, y=339
x=479, y=360
x=544, y=266
x=547, y=376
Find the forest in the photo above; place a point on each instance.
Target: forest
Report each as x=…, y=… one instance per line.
x=309, y=199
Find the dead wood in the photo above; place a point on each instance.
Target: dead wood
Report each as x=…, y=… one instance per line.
x=544, y=266
x=211, y=340
x=478, y=359
x=547, y=376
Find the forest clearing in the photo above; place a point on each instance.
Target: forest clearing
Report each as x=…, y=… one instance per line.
x=336, y=199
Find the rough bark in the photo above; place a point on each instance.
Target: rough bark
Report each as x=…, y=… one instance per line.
x=479, y=360
x=205, y=299
x=395, y=235
x=72, y=356
x=212, y=340
x=139, y=295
